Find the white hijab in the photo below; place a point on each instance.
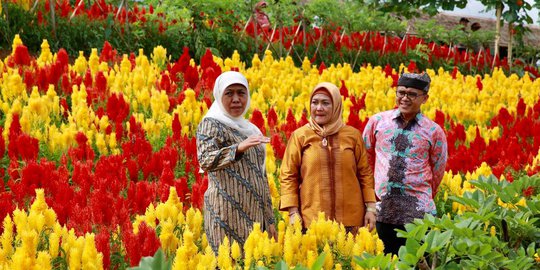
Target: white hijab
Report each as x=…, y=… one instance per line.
x=218, y=112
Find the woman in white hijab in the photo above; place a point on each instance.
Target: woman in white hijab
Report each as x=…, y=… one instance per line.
x=232, y=151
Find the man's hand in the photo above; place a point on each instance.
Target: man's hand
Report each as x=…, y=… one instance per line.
x=251, y=141
x=369, y=220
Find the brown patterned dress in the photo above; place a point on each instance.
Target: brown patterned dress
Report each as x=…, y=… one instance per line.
x=238, y=194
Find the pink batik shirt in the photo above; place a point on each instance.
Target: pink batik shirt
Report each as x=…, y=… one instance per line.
x=409, y=164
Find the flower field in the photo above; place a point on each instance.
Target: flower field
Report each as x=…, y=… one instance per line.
x=98, y=158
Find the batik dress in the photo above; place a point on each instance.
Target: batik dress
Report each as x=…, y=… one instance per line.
x=238, y=194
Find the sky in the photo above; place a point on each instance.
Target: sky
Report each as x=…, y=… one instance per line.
x=475, y=8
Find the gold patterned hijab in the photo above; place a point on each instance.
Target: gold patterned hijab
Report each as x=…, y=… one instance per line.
x=336, y=122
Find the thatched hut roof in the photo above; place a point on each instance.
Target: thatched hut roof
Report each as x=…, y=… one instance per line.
x=452, y=20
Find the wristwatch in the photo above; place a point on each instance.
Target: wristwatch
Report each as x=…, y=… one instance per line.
x=371, y=209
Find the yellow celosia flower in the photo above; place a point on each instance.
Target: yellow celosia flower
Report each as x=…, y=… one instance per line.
x=16, y=42
x=93, y=61
x=43, y=261
x=46, y=57
x=91, y=259
x=80, y=64
x=7, y=237
x=54, y=243
x=159, y=56
x=224, y=255
x=235, y=251
x=168, y=240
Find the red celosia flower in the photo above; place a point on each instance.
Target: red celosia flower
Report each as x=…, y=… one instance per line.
x=28, y=147
x=180, y=65
x=83, y=151
x=198, y=189
x=412, y=66
x=80, y=219
x=388, y=70
x=176, y=127
x=258, y=120
x=272, y=118
x=439, y=118
x=14, y=132
x=277, y=144
x=145, y=243
x=290, y=125
x=182, y=188
x=303, y=119
x=117, y=108
x=165, y=83
x=21, y=56
x=103, y=245
x=479, y=83
x=355, y=121
x=29, y=78
x=140, y=195
x=521, y=108
x=343, y=90
x=529, y=192
x=101, y=85
x=191, y=77
x=6, y=206
x=107, y=53
x=322, y=67
x=2, y=144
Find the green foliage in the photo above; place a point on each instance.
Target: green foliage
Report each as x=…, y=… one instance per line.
x=158, y=262
x=380, y=261
x=352, y=16
x=317, y=265
x=412, y=8
x=467, y=241
x=15, y=20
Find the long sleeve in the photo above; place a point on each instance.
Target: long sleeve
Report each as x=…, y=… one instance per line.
x=364, y=172
x=290, y=173
x=210, y=153
x=438, y=156
x=369, y=141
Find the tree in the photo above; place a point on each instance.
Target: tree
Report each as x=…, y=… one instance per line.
x=513, y=12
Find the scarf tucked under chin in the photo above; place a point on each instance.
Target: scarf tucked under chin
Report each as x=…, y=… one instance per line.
x=336, y=122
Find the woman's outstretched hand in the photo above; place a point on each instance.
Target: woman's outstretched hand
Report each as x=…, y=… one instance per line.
x=251, y=141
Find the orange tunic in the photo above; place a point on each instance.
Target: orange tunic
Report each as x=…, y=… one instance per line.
x=335, y=179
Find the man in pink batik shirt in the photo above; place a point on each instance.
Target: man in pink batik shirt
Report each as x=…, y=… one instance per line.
x=408, y=152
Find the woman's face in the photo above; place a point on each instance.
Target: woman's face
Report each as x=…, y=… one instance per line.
x=234, y=99
x=321, y=109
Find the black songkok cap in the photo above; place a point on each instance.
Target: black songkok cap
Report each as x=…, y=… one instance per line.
x=414, y=80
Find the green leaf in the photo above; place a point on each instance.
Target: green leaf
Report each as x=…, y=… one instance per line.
x=281, y=265
x=429, y=240
x=158, y=262
x=443, y=238
x=421, y=250
x=318, y=264
x=465, y=201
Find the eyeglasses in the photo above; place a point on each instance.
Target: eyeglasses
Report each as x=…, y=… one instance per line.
x=411, y=95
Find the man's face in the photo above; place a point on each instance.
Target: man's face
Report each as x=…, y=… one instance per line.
x=409, y=100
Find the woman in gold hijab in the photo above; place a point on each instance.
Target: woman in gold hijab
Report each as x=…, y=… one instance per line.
x=325, y=167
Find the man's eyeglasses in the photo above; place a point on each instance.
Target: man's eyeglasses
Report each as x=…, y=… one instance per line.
x=411, y=95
